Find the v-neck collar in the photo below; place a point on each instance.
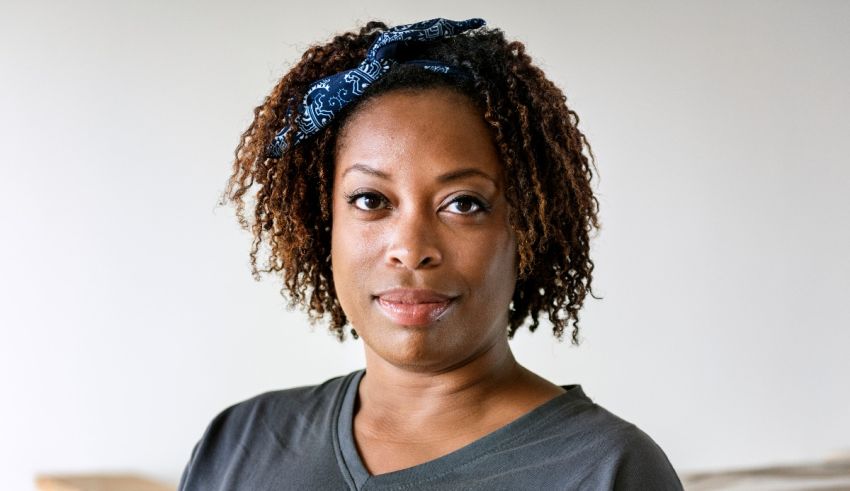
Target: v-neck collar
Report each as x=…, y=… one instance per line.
x=355, y=471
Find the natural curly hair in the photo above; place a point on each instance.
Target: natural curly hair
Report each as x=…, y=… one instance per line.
x=552, y=207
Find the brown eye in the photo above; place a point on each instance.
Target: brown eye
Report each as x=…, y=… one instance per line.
x=465, y=205
x=367, y=201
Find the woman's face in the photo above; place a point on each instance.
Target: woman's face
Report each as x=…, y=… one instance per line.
x=423, y=255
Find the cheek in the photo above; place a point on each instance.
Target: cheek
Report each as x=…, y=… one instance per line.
x=503, y=269
x=353, y=256
x=491, y=269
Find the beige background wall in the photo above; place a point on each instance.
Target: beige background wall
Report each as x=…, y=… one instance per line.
x=129, y=317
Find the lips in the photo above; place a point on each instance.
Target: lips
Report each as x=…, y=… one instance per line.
x=413, y=307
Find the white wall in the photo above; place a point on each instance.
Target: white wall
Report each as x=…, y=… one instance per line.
x=129, y=317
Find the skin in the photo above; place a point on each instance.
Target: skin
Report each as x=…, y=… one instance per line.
x=419, y=202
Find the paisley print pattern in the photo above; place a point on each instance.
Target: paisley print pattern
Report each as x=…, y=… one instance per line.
x=326, y=97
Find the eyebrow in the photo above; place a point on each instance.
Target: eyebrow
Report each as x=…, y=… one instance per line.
x=447, y=177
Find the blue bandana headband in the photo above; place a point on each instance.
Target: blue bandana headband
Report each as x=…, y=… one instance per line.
x=326, y=97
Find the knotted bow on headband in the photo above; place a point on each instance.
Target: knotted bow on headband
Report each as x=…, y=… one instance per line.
x=326, y=97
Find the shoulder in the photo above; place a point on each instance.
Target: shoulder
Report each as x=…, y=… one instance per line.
x=614, y=453
x=312, y=400
x=640, y=463
x=262, y=426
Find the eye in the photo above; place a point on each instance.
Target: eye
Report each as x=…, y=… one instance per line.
x=466, y=205
x=366, y=201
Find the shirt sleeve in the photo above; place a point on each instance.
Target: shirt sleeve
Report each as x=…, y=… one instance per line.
x=643, y=465
x=213, y=455
x=184, y=477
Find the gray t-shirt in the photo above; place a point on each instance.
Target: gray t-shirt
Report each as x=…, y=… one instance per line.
x=302, y=439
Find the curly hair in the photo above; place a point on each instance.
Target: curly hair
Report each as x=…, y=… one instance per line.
x=552, y=207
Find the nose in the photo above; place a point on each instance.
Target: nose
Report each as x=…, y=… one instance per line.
x=414, y=242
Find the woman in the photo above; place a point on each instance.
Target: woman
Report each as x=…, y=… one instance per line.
x=425, y=184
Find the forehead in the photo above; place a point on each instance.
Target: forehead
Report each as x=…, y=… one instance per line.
x=419, y=132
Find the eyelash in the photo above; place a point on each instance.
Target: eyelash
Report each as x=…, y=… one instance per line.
x=481, y=206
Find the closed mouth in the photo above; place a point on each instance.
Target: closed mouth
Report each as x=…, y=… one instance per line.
x=408, y=313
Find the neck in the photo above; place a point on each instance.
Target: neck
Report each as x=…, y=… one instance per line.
x=403, y=402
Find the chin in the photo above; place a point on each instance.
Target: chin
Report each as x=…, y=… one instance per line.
x=411, y=348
